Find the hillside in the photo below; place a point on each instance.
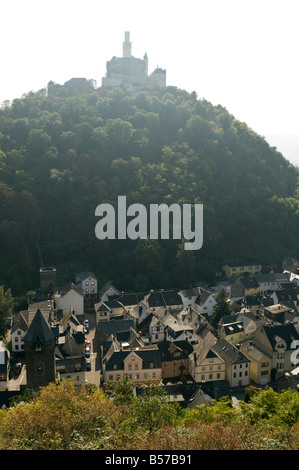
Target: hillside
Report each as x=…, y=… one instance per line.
x=66, y=149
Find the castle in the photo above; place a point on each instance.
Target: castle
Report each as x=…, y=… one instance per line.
x=130, y=72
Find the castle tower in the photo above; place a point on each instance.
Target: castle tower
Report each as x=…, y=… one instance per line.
x=127, y=45
x=47, y=278
x=145, y=60
x=39, y=344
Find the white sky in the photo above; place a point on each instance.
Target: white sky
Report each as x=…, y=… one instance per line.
x=242, y=54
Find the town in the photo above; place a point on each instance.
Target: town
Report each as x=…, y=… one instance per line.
x=87, y=334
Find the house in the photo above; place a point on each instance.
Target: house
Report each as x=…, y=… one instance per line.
x=140, y=365
x=103, y=312
x=279, y=342
x=107, y=291
x=249, y=321
x=4, y=362
x=70, y=350
x=237, y=370
x=179, y=331
x=233, y=332
x=205, y=364
x=175, y=358
x=200, y=324
x=128, y=301
x=167, y=299
x=287, y=296
x=21, y=321
x=205, y=302
x=189, y=296
x=260, y=362
x=241, y=269
x=69, y=297
x=156, y=330
x=88, y=284
x=19, y=327
x=108, y=329
x=291, y=264
x=244, y=286
x=279, y=314
x=271, y=282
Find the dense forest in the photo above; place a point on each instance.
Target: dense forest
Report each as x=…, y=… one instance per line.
x=68, y=148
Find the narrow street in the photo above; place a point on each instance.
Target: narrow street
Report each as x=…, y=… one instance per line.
x=93, y=376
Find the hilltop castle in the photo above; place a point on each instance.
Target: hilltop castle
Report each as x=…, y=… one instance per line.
x=130, y=72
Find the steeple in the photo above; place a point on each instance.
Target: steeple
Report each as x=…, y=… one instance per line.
x=39, y=343
x=127, y=45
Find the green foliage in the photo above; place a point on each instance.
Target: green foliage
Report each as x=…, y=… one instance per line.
x=221, y=307
x=64, y=152
x=60, y=417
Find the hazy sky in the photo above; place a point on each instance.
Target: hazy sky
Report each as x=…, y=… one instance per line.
x=242, y=54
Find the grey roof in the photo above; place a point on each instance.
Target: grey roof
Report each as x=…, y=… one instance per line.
x=164, y=299
x=68, y=287
x=232, y=328
x=115, y=326
x=275, y=277
x=202, y=297
x=39, y=329
x=148, y=356
x=229, y=353
x=287, y=332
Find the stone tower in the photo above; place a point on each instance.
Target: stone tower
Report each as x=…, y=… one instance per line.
x=39, y=344
x=47, y=278
x=127, y=45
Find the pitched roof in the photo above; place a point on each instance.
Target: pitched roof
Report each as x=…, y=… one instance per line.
x=286, y=332
x=39, y=329
x=115, y=326
x=229, y=352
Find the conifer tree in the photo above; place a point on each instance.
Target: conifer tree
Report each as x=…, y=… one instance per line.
x=221, y=307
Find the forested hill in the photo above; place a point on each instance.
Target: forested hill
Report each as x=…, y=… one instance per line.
x=67, y=149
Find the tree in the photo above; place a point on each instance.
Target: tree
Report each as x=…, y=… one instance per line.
x=151, y=409
x=221, y=307
x=121, y=391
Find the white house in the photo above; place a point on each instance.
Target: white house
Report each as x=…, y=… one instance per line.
x=271, y=282
x=205, y=302
x=108, y=290
x=237, y=370
x=21, y=321
x=205, y=365
x=19, y=327
x=189, y=296
x=156, y=330
x=3, y=363
x=68, y=298
x=88, y=283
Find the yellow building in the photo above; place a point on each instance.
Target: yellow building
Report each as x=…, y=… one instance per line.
x=240, y=269
x=232, y=332
x=261, y=363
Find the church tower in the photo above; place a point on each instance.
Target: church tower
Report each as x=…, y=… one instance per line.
x=127, y=45
x=40, y=345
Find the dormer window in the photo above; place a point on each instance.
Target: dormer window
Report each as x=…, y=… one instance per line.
x=38, y=346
